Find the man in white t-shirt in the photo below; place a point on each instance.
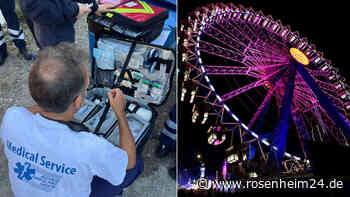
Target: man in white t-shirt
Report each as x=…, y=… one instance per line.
x=45, y=157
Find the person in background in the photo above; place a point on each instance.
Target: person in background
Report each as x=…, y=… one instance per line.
x=167, y=139
x=8, y=10
x=52, y=21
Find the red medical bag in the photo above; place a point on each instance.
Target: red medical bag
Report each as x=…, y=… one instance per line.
x=133, y=18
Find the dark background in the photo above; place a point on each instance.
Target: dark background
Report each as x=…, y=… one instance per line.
x=324, y=23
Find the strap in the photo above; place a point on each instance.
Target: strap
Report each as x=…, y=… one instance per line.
x=72, y=125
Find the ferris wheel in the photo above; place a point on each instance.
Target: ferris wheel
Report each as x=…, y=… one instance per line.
x=260, y=80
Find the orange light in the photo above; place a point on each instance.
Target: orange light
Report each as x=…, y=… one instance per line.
x=299, y=56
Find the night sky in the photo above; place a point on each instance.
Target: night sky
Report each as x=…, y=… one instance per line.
x=323, y=23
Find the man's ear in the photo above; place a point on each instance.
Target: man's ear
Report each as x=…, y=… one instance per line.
x=78, y=102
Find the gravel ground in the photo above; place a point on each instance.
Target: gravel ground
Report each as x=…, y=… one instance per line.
x=155, y=180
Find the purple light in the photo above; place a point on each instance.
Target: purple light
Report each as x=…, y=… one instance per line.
x=224, y=170
x=217, y=142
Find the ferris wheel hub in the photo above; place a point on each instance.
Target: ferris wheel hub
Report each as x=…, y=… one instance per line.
x=299, y=56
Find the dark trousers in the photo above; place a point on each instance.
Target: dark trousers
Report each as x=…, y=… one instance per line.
x=31, y=27
x=8, y=10
x=102, y=188
x=168, y=134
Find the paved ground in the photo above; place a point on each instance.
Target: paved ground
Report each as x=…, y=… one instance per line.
x=154, y=182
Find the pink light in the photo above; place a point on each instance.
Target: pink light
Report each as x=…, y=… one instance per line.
x=217, y=142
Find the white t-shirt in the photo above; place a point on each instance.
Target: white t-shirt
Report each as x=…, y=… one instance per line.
x=47, y=159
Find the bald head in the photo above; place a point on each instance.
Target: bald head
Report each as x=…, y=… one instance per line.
x=58, y=76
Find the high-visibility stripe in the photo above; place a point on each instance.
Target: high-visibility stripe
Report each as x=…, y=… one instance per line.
x=146, y=6
x=122, y=10
x=1, y=33
x=170, y=135
x=2, y=41
x=171, y=124
x=146, y=9
x=13, y=31
x=149, y=8
x=20, y=36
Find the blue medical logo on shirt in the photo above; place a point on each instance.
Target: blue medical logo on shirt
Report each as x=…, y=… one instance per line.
x=36, y=170
x=24, y=172
x=36, y=177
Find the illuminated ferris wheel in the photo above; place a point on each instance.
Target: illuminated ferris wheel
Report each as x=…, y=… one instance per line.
x=262, y=81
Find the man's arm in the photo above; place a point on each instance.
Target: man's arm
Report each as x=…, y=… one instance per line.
x=50, y=11
x=98, y=9
x=127, y=143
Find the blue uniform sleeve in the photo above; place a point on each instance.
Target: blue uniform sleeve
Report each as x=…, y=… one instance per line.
x=50, y=12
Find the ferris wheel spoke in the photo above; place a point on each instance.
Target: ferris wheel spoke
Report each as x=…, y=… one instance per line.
x=192, y=56
x=301, y=125
x=309, y=96
x=254, y=37
x=249, y=86
x=202, y=85
x=301, y=132
x=317, y=73
x=240, y=38
x=310, y=107
x=337, y=133
x=277, y=43
x=326, y=86
x=260, y=35
x=245, y=30
x=303, y=101
x=268, y=49
x=236, y=32
x=256, y=60
x=317, y=114
x=255, y=42
x=306, y=98
x=230, y=70
x=220, y=51
x=337, y=102
x=225, y=39
x=191, y=66
x=261, y=58
x=261, y=107
x=242, y=90
x=258, y=54
x=263, y=67
x=306, y=93
x=300, y=102
x=325, y=102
